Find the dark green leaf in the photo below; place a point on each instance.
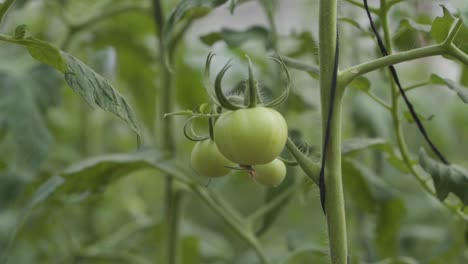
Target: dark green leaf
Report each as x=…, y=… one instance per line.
x=235, y=38
x=97, y=91
x=351, y=146
x=447, y=178
x=461, y=91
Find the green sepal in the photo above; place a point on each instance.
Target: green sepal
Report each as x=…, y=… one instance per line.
x=223, y=101
x=284, y=96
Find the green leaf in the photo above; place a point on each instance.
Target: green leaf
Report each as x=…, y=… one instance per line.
x=409, y=34
x=361, y=83
x=190, y=250
x=307, y=45
x=461, y=91
x=97, y=91
x=447, y=178
x=45, y=53
x=91, y=176
x=235, y=38
x=441, y=27
x=354, y=145
x=409, y=117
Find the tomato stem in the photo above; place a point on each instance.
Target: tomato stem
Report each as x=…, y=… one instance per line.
x=210, y=127
x=253, y=90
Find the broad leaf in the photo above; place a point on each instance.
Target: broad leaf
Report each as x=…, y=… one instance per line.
x=97, y=91
x=461, y=91
x=441, y=27
x=235, y=38
x=46, y=53
x=92, y=176
x=447, y=178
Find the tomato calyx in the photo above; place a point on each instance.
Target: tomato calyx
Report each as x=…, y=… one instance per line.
x=252, y=97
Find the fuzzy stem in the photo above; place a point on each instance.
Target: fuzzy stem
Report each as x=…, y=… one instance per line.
x=334, y=202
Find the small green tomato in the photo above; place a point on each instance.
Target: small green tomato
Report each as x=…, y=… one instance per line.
x=270, y=174
x=251, y=136
x=207, y=161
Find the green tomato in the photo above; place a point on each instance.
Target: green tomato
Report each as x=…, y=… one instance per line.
x=251, y=136
x=206, y=160
x=270, y=174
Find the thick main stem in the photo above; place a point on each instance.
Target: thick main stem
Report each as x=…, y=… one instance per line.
x=334, y=202
x=167, y=143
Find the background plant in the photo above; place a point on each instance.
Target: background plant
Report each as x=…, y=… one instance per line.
x=75, y=189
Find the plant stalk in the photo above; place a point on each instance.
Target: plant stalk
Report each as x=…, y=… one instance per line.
x=166, y=136
x=334, y=202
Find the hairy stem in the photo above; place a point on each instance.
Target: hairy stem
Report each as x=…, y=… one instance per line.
x=166, y=136
x=334, y=202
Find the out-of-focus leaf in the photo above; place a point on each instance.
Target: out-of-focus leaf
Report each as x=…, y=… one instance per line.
x=313, y=71
x=307, y=45
x=447, y=178
x=409, y=33
x=46, y=84
x=30, y=137
x=361, y=83
x=441, y=27
x=461, y=91
x=398, y=260
x=97, y=91
x=235, y=38
x=310, y=254
x=356, y=24
x=354, y=145
x=188, y=9
x=389, y=218
x=464, y=76
x=190, y=250
x=91, y=176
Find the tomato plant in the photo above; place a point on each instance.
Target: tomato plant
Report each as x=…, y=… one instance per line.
x=339, y=110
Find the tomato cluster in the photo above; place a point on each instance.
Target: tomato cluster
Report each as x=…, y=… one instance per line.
x=249, y=137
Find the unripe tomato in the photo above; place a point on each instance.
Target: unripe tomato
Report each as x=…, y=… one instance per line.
x=208, y=161
x=270, y=174
x=251, y=136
